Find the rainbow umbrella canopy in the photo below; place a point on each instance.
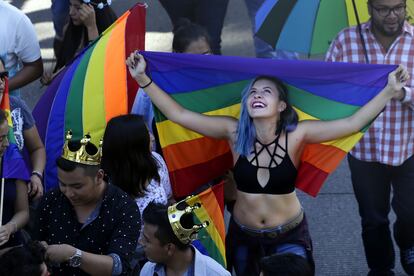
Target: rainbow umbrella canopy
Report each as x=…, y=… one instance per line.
x=212, y=85
x=309, y=26
x=92, y=89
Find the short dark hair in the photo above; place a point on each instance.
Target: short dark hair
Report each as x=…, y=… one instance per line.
x=287, y=264
x=157, y=214
x=186, y=32
x=23, y=260
x=70, y=166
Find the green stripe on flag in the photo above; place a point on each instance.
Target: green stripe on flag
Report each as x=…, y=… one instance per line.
x=74, y=104
x=317, y=106
x=209, y=244
x=209, y=99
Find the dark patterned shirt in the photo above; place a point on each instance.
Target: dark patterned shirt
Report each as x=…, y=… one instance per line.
x=112, y=228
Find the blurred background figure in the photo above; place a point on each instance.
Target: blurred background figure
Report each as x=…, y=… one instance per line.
x=207, y=13
x=87, y=20
x=60, y=14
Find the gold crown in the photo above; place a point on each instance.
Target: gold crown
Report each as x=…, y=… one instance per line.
x=81, y=154
x=185, y=235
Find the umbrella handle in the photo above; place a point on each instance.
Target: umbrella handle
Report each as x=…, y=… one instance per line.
x=360, y=32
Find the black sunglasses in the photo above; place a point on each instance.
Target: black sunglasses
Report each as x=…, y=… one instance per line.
x=4, y=74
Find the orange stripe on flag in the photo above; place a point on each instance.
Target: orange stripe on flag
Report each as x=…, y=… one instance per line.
x=193, y=152
x=116, y=100
x=324, y=157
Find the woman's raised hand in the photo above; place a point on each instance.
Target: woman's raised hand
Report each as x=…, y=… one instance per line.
x=87, y=15
x=397, y=79
x=136, y=66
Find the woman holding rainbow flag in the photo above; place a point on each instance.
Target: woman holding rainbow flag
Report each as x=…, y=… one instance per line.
x=267, y=142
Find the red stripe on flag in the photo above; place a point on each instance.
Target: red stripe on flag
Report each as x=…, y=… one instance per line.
x=134, y=40
x=192, y=152
x=310, y=179
x=324, y=157
x=185, y=181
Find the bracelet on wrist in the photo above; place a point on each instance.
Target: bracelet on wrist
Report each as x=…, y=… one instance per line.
x=38, y=174
x=146, y=85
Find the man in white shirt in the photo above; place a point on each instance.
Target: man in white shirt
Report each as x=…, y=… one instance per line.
x=19, y=47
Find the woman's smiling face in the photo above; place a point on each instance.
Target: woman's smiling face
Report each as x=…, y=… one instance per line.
x=263, y=100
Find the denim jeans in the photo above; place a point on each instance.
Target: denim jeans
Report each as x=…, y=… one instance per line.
x=60, y=13
x=207, y=13
x=245, y=251
x=373, y=183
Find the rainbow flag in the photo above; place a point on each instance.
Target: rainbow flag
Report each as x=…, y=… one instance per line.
x=91, y=90
x=212, y=85
x=13, y=163
x=211, y=240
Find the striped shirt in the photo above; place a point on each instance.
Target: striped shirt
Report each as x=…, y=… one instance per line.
x=390, y=139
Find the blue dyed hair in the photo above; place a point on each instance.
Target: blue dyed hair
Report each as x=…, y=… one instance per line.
x=246, y=132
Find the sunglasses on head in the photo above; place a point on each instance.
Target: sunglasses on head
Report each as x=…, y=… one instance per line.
x=4, y=74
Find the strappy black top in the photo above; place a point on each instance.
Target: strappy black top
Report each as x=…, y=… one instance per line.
x=282, y=176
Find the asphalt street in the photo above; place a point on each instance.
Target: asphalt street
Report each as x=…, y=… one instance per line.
x=333, y=215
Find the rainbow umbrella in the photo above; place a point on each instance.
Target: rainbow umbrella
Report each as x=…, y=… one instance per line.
x=309, y=26
x=91, y=90
x=212, y=85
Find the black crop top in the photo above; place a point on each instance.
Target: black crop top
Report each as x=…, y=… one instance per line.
x=282, y=176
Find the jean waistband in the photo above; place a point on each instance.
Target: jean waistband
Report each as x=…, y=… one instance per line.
x=273, y=232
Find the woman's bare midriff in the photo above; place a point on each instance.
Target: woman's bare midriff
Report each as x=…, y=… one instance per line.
x=261, y=211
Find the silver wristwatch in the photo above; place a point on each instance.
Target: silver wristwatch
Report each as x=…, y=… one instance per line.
x=75, y=260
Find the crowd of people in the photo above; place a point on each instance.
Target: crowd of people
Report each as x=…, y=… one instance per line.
x=113, y=211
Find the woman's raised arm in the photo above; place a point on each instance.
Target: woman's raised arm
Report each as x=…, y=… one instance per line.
x=321, y=131
x=222, y=127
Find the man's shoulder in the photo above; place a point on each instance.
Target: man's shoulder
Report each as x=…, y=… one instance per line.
x=148, y=269
x=10, y=13
x=348, y=32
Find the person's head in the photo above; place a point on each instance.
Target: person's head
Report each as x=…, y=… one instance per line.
x=159, y=241
x=265, y=98
x=104, y=15
x=287, y=264
x=81, y=183
x=76, y=33
x=126, y=156
x=387, y=16
x=24, y=260
x=190, y=38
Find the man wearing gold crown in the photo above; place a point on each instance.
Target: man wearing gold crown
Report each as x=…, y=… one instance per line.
x=87, y=225
x=166, y=238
